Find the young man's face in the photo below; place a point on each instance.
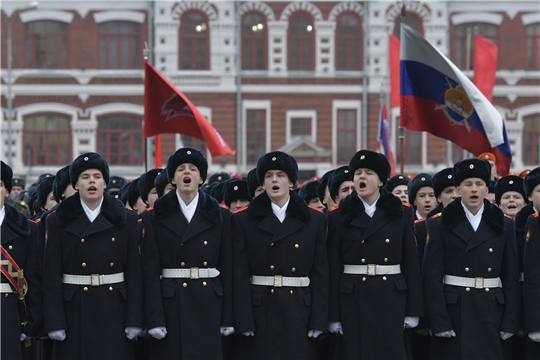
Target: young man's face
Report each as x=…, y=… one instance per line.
x=472, y=192
x=168, y=188
x=344, y=190
x=16, y=190
x=367, y=183
x=4, y=193
x=187, y=178
x=511, y=203
x=327, y=200
x=68, y=192
x=535, y=197
x=50, y=202
x=237, y=204
x=277, y=186
x=493, y=169
x=401, y=192
x=425, y=200
x=152, y=196
x=91, y=185
x=448, y=195
x=258, y=191
x=316, y=203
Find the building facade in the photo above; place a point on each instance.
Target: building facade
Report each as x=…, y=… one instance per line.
x=307, y=78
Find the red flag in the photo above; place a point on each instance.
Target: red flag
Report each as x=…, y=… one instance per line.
x=394, y=70
x=167, y=110
x=485, y=65
x=157, y=154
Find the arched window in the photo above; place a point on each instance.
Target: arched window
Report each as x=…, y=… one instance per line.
x=119, y=45
x=301, y=42
x=531, y=142
x=254, y=42
x=120, y=139
x=465, y=39
x=46, y=45
x=47, y=140
x=533, y=47
x=348, y=42
x=194, y=46
x=411, y=19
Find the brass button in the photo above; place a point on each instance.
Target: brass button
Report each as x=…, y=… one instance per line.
x=182, y=244
x=271, y=244
x=364, y=278
x=204, y=283
x=205, y=263
x=363, y=261
x=184, y=284
x=296, y=246
x=384, y=278
x=205, y=242
x=490, y=250
x=466, y=269
x=6, y=295
x=293, y=269
x=385, y=259
x=113, y=239
x=85, y=288
x=363, y=241
x=271, y=267
x=486, y=289
x=292, y=292
x=111, y=288
x=82, y=241
x=489, y=269
x=272, y=291
x=467, y=289
x=182, y=264
x=83, y=264
x=387, y=241
x=10, y=247
x=111, y=264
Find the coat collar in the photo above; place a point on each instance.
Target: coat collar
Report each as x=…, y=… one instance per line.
x=437, y=209
x=352, y=206
x=522, y=216
x=261, y=207
x=207, y=206
x=71, y=209
x=16, y=221
x=492, y=215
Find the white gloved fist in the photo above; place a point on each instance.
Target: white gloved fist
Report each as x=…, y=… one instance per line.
x=24, y=337
x=535, y=336
x=411, y=322
x=226, y=330
x=446, y=334
x=158, y=332
x=335, y=327
x=506, y=335
x=249, y=333
x=132, y=332
x=58, y=335
x=314, y=333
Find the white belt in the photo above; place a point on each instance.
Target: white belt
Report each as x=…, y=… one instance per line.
x=476, y=282
x=372, y=269
x=191, y=273
x=521, y=277
x=279, y=281
x=93, y=280
x=5, y=288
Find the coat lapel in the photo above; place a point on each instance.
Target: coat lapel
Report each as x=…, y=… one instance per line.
x=483, y=234
x=378, y=220
x=289, y=226
x=7, y=235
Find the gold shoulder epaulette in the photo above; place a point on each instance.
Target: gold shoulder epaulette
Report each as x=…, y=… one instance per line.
x=508, y=217
x=139, y=220
x=335, y=207
x=35, y=221
x=406, y=204
x=436, y=215
x=319, y=210
x=224, y=206
x=240, y=210
x=150, y=208
x=535, y=215
x=419, y=220
x=52, y=212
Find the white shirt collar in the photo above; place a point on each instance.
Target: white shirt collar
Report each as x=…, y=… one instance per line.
x=474, y=220
x=91, y=214
x=418, y=216
x=188, y=210
x=2, y=215
x=370, y=209
x=280, y=212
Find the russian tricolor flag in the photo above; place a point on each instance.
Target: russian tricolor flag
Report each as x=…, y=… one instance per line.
x=438, y=98
x=384, y=139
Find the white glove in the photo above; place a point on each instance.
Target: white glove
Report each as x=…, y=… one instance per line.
x=58, y=335
x=446, y=334
x=335, y=327
x=314, y=333
x=24, y=337
x=506, y=335
x=226, y=330
x=411, y=322
x=158, y=332
x=132, y=332
x=535, y=336
x=249, y=333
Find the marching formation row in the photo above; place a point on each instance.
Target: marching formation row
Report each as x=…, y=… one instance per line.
x=354, y=265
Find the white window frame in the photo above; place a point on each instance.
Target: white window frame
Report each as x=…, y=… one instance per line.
x=291, y=114
x=256, y=105
x=345, y=105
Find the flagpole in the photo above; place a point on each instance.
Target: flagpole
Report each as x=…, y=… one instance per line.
x=145, y=57
x=401, y=135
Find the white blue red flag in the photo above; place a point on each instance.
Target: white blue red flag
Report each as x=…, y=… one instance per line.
x=438, y=98
x=384, y=139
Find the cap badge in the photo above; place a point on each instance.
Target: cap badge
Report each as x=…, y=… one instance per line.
x=511, y=182
x=86, y=158
x=471, y=166
x=274, y=158
x=449, y=176
x=346, y=171
x=235, y=188
x=189, y=152
x=423, y=178
x=362, y=157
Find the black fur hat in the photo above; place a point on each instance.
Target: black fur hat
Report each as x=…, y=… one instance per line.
x=531, y=180
x=61, y=181
x=308, y=191
x=277, y=160
x=471, y=168
x=235, y=189
x=218, y=177
x=123, y=193
x=18, y=182
x=133, y=192
x=116, y=182
x=216, y=191
x=146, y=182
x=323, y=183
x=396, y=181
x=368, y=159
x=442, y=180
x=252, y=181
x=7, y=176
x=89, y=160
x=418, y=182
x=160, y=182
x=339, y=176
x=187, y=155
x=509, y=183
x=45, y=186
